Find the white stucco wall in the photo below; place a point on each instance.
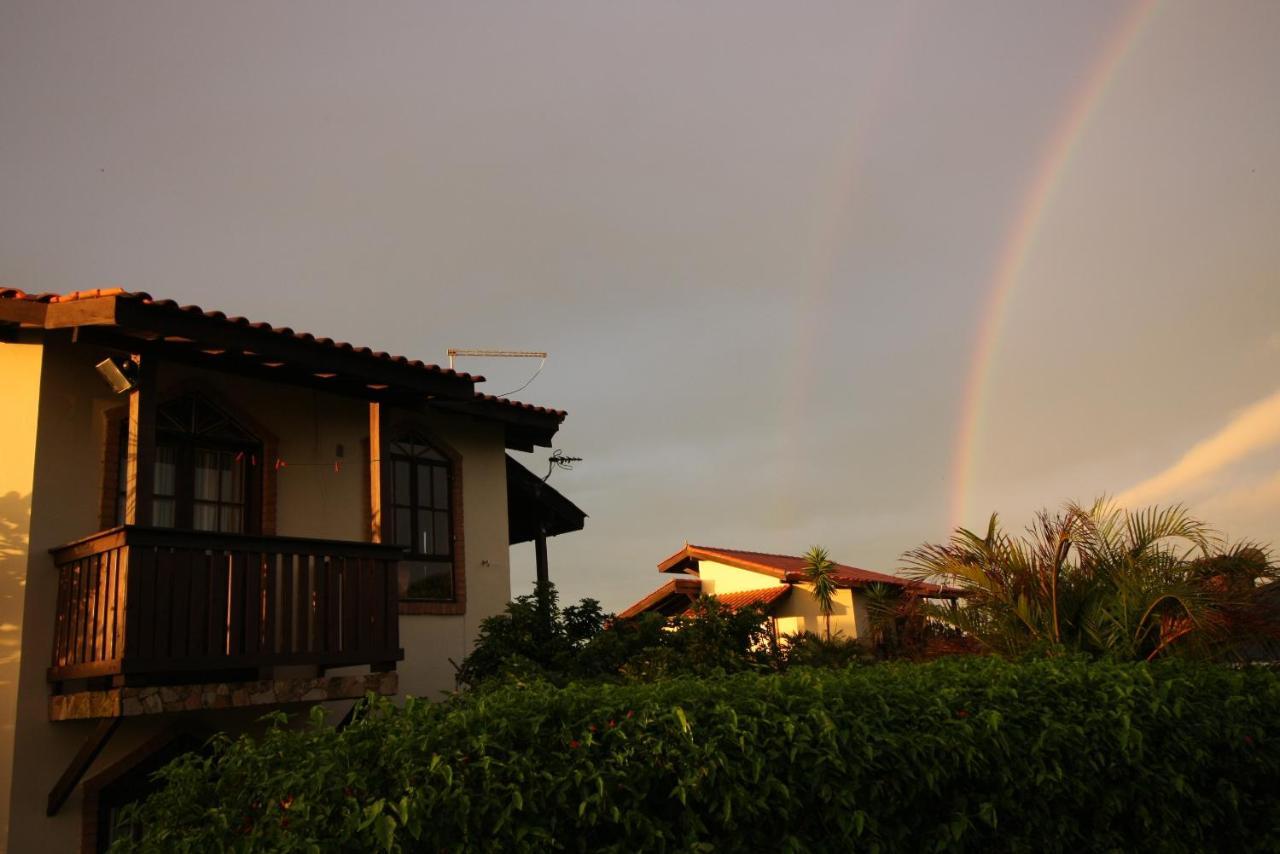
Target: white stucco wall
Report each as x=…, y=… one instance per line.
x=55, y=405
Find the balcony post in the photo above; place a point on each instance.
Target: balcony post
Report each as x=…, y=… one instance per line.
x=375, y=471
x=140, y=469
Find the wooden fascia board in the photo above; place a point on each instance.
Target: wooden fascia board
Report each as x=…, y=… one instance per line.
x=736, y=562
x=269, y=346
x=238, y=365
x=523, y=431
x=23, y=312
x=691, y=587
x=94, y=311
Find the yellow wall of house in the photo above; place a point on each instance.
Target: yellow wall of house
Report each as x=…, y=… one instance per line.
x=802, y=614
x=720, y=578
x=799, y=612
x=65, y=505
x=62, y=489
x=20, y=396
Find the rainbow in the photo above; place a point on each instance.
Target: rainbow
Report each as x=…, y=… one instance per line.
x=1020, y=240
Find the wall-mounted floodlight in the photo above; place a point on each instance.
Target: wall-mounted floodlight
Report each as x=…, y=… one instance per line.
x=121, y=375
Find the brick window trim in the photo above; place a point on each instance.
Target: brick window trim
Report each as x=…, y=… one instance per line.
x=111, y=450
x=391, y=425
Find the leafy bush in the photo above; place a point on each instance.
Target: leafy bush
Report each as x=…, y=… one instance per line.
x=533, y=636
x=1110, y=583
x=970, y=754
x=533, y=639
x=809, y=649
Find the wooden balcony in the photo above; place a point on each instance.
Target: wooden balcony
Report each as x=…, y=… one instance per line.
x=156, y=606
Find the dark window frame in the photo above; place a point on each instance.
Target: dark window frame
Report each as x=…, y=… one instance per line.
x=418, y=454
x=247, y=452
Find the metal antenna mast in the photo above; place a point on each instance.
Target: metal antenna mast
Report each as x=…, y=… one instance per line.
x=504, y=354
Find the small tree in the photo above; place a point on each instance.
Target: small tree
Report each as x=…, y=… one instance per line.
x=819, y=571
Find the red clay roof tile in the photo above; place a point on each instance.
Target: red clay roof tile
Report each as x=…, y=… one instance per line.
x=168, y=304
x=790, y=568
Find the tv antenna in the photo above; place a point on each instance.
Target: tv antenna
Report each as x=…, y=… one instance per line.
x=503, y=354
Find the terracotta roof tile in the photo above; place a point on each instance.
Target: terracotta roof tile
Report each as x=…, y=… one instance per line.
x=676, y=587
x=515, y=404
x=744, y=598
x=791, y=568
x=168, y=304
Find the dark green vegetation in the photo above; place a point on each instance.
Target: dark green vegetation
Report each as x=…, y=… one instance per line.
x=1110, y=583
x=535, y=638
x=967, y=754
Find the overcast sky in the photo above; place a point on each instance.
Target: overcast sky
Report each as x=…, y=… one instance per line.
x=759, y=240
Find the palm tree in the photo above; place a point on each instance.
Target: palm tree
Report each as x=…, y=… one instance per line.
x=819, y=571
x=1106, y=581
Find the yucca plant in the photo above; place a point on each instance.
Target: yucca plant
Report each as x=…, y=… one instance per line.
x=819, y=571
x=1109, y=582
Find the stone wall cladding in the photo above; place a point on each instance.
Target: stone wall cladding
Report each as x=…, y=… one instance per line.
x=165, y=699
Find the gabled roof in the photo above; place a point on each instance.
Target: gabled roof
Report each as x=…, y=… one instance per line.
x=533, y=505
x=136, y=322
x=789, y=568
x=677, y=596
x=670, y=599
x=746, y=598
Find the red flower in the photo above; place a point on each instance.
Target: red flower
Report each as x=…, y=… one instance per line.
x=286, y=802
x=1248, y=740
x=962, y=713
x=630, y=714
x=592, y=727
x=573, y=744
x=612, y=724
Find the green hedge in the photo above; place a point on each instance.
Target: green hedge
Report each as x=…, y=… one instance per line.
x=958, y=755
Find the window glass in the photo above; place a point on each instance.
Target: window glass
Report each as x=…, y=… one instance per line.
x=403, y=533
x=166, y=470
x=162, y=512
x=440, y=496
x=441, y=531
x=428, y=580
x=204, y=516
x=206, y=476
x=232, y=520
x=400, y=479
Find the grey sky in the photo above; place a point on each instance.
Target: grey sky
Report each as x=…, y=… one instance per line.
x=756, y=238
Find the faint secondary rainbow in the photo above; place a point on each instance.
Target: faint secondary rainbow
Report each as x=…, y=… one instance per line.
x=1020, y=240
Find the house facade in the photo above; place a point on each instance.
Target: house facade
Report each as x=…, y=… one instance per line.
x=776, y=582
x=203, y=518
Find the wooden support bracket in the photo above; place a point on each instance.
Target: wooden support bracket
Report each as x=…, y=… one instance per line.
x=88, y=752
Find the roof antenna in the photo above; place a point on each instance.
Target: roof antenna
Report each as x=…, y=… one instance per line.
x=503, y=354
x=559, y=460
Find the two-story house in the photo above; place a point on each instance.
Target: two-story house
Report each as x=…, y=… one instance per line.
x=204, y=518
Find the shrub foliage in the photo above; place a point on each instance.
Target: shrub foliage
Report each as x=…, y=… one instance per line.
x=536, y=638
x=969, y=754
x=1108, y=582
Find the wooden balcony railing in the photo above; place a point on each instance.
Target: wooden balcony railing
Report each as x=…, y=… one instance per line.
x=144, y=604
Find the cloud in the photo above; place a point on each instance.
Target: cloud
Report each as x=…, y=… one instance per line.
x=1252, y=429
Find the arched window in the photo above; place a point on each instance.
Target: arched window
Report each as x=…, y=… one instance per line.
x=421, y=516
x=206, y=469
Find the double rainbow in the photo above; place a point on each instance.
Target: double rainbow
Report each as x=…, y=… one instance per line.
x=1020, y=241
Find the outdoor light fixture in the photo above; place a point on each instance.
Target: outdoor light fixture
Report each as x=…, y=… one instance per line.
x=120, y=375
